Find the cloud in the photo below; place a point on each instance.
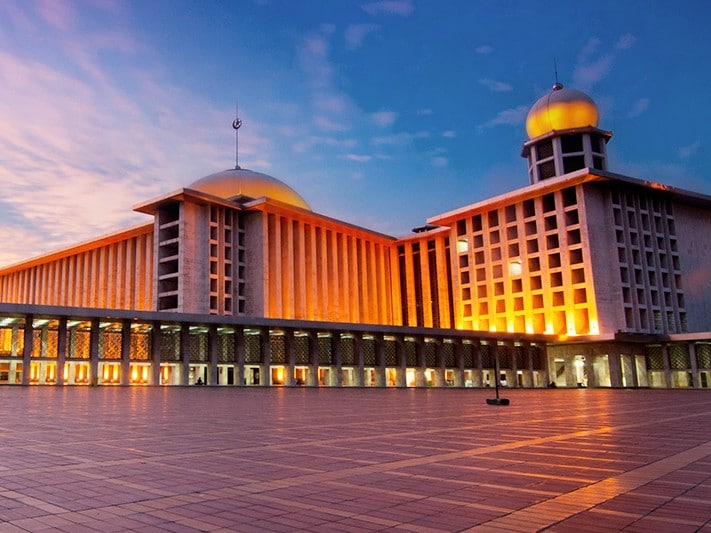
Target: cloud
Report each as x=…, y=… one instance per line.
x=384, y=118
x=58, y=14
x=424, y=112
x=398, y=139
x=495, y=86
x=586, y=75
x=403, y=8
x=593, y=66
x=626, y=41
x=449, y=134
x=484, y=49
x=686, y=152
x=359, y=158
x=355, y=33
x=639, y=107
x=510, y=117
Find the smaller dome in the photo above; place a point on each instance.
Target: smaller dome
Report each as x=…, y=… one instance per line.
x=236, y=182
x=561, y=109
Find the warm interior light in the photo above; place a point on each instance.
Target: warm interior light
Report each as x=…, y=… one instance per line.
x=462, y=245
x=515, y=268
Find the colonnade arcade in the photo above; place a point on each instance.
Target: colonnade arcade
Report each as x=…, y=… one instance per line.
x=58, y=348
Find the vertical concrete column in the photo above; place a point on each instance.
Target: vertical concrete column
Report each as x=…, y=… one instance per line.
x=359, y=359
x=629, y=370
x=495, y=364
x=379, y=360
x=185, y=352
x=239, y=356
x=695, y=381
x=61, y=349
x=543, y=349
x=438, y=380
x=27, y=348
x=156, y=338
x=265, y=353
x=290, y=357
x=213, y=346
x=667, y=366
x=94, y=352
x=312, y=370
x=476, y=363
x=337, y=355
x=401, y=358
x=614, y=360
x=512, y=372
x=458, y=363
x=421, y=362
x=125, y=352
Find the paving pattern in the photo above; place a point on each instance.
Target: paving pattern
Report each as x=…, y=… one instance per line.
x=81, y=459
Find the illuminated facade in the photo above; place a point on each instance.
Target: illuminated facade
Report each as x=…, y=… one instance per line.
x=582, y=278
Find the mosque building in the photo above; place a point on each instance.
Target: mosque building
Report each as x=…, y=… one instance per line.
x=583, y=277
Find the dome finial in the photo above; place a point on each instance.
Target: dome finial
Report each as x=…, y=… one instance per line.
x=557, y=86
x=236, y=124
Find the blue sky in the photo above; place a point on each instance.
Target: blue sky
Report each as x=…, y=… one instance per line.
x=380, y=113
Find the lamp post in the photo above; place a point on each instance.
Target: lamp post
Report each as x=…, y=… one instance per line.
x=497, y=400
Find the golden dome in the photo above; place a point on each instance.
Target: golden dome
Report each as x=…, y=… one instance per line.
x=237, y=182
x=561, y=109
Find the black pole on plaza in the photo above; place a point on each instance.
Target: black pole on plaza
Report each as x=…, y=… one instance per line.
x=497, y=400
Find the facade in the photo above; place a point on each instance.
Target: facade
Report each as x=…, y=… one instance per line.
x=583, y=277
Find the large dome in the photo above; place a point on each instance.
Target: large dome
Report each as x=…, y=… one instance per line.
x=561, y=109
x=238, y=182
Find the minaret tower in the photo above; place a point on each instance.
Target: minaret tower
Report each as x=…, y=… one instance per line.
x=563, y=135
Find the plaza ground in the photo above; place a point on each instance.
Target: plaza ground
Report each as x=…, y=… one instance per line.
x=274, y=459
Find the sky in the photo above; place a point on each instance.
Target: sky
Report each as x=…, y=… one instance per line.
x=381, y=113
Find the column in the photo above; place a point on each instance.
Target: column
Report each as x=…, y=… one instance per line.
x=615, y=367
x=239, y=356
x=438, y=379
x=478, y=370
x=379, y=360
x=458, y=363
x=667, y=366
x=358, y=353
x=401, y=358
x=337, y=355
x=312, y=369
x=512, y=371
x=155, y=353
x=94, y=351
x=290, y=357
x=185, y=353
x=543, y=349
x=61, y=349
x=213, y=346
x=695, y=382
x=266, y=358
x=125, y=352
x=27, y=349
x=421, y=362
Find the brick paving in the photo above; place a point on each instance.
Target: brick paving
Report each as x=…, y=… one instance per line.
x=82, y=459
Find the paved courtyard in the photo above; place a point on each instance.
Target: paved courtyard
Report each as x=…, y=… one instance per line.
x=201, y=459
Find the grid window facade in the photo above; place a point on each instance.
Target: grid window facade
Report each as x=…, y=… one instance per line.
x=649, y=264
x=523, y=268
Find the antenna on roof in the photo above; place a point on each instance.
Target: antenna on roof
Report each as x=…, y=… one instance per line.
x=557, y=86
x=236, y=124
